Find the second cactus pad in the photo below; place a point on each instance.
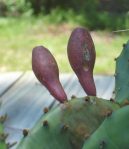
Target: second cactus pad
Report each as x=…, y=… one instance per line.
x=113, y=133
x=3, y=136
x=122, y=75
x=68, y=125
x=2, y=140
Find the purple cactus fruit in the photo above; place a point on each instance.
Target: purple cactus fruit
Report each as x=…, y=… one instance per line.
x=81, y=55
x=46, y=70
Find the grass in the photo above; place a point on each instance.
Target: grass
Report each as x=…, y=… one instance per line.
x=19, y=36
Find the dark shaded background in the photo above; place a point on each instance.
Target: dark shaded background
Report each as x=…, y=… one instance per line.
x=97, y=14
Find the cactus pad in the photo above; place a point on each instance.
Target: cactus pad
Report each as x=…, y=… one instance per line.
x=122, y=75
x=113, y=133
x=2, y=134
x=68, y=125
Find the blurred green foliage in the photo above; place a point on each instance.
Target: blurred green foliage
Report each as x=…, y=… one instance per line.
x=19, y=36
x=14, y=7
x=95, y=14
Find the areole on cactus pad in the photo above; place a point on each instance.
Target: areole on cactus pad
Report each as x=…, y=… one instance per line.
x=81, y=123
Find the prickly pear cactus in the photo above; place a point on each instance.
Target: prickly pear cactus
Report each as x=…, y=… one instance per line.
x=68, y=125
x=113, y=133
x=81, y=123
x=122, y=75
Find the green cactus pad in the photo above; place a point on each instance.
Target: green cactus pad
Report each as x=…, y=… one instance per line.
x=2, y=135
x=122, y=75
x=113, y=133
x=68, y=125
